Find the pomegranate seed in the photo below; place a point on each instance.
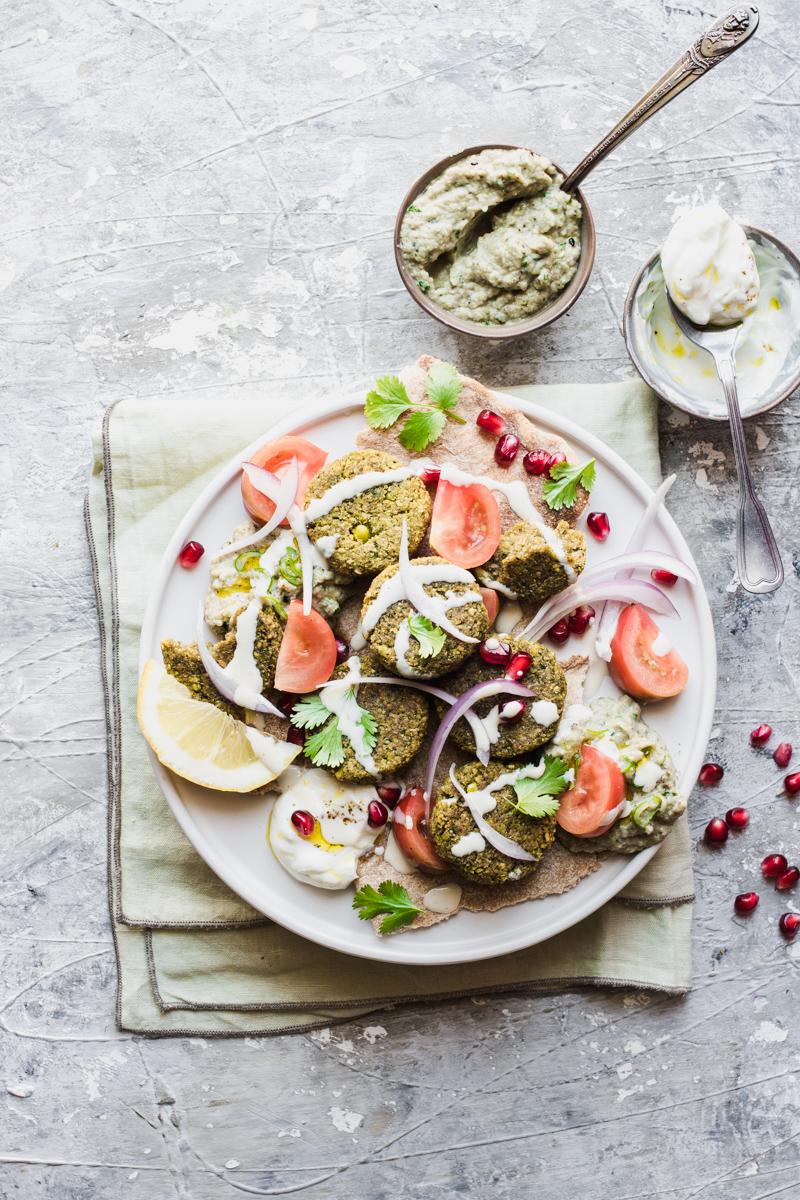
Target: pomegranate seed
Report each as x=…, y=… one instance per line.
x=191, y=554
x=789, y=924
x=599, y=525
x=791, y=784
x=342, y=650
x=492, y=422
x=389, y=793
x=296, y=736
x=519, y=666
x=787, y=879
x=537, y=462
x=659, y=575
x=737, y=818
x=773, y=865
x=303, y=822
x=580, y=620
x=512, y=712
x=761, y=734
x=559, y=632
x=710, y=774
x=377, y=814
x=716, y=831
x=555, y=459
x=494, y=652
x=286, y=702
x=745, y=902
x=431, y=474
x=783, y=754
x=506, y=449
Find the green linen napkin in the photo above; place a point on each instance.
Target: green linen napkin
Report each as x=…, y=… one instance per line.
x=192, y=956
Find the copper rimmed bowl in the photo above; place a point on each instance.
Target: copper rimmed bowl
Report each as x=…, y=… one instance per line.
x=545, y=316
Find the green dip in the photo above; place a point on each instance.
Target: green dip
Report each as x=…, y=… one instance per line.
x=493, y=238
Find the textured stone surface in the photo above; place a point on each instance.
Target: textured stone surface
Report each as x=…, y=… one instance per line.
x=200, y=195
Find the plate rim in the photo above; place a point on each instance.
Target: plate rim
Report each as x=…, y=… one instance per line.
x=381, y=951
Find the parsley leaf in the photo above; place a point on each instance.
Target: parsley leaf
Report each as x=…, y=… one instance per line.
x=387, y=402
x=309, y=713
x=422, y=427
x=289, y=566
x=390, y=898
x=539, y=797
x=561, y=489
x=325, y=747
x=430, y=637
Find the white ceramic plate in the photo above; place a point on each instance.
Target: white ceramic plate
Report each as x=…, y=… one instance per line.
x=229, y=831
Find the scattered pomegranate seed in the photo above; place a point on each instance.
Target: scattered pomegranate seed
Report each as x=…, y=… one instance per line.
x=710, y=774
x=761, y=734
x=512, y=712
x=745, y=902
x=716, y=831
x=555, y=459
x=580, y=620
x=787, y=879
x=559, y=632
x=377, y=814
x=431, y=474
x=783, y=754
x=191, y=554
x=773, y=865
x=342, y=650
x=519, y=666
x=303, y=822
x=492, y=422
x=389, y=793
x=494, y=652
x=537, y=462
x=737, y=818
x=506, y=449
x=659, y=575
x=599, y=525
x=789, y=924
x=296, y=736
x=791, y=784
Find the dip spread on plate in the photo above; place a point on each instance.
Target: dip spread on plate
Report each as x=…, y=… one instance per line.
x=493, y=238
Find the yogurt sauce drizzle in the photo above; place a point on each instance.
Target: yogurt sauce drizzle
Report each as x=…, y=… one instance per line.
x=482, y=802
x=347, y=489
x=242, y=670
x=340, y=698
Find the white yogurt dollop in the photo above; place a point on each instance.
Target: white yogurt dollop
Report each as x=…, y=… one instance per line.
x=709, y=267
x=341, y=834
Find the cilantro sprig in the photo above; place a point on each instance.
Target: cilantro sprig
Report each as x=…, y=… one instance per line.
x=539, y=797
x=390, y=899
x=426, y=419
x=430, y=637
x=325, y=747
x=561, y=489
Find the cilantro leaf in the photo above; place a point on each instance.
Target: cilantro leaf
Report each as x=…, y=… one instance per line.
x=443, y=386
x=309, y=713
x=325, y=747
x=561, y=489
x=430, y=637
x=370, y=727
x=387, y=402
x=390, y=898
x=422, y=427
x=539, y=797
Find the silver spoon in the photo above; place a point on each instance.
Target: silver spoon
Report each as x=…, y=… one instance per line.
x=757, y=556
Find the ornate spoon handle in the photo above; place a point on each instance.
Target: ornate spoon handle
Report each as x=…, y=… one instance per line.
x=725, y=35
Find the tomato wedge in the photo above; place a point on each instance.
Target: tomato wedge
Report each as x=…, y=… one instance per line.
x=491, y=603
x=307, y=653
x=409, y=830
x=636, y=666
x=599, y=788
x=465, y=526
x=276, y=456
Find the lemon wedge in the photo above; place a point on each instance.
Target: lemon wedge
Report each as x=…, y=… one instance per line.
x=202, y=743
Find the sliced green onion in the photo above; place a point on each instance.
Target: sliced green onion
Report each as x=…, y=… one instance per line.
x=241, y=561
x=642, y=815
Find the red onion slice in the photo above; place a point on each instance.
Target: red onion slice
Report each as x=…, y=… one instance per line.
x=417, y=596
x=464, y=704
x=219, y=678
x=504, y=844
x=629, y=591
x=281, y=491
x=622, y=566
x=272, y=487
x=483, y=747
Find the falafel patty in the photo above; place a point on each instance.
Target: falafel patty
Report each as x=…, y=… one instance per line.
x=269, y=634
x=451, y=823
x=433, y=652
x=185, y=664
x=525, y=564
x=362, y=534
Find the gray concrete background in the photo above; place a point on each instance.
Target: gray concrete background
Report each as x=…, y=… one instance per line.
x=199, y=195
